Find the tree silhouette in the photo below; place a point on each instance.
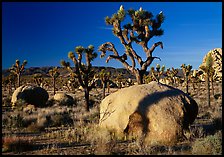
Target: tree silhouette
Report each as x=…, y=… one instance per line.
x=54, y=75
x=158, y=73
x=17, y=69
x=104, y=77
x=186, y=71
x=172, y=75
x=140, y=31
x=83, y=72
x=208, y=70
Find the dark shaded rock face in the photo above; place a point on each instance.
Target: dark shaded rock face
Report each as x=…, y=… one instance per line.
x=157, y=111
x=33, y=95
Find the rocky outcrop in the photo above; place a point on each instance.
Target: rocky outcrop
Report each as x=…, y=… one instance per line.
x=158, y=111
x=217, y=63
x=33, y=95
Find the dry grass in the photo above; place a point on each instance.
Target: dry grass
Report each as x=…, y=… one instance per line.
x=69, y=130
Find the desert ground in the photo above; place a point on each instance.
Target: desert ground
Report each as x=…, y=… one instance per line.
x=73, y=131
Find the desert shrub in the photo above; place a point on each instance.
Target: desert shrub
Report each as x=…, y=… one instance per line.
x=6, y=101
x=102, y=141
x=19, y=104
x=50, y=102
x=28, y=120
x=217, y=123
x=16, y=144
x=138, y=148
x=210, y=145
x=59, y=119
x=34, y=128
x=196, y=132
x=16, y=120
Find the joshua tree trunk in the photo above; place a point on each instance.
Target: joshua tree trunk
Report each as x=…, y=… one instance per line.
x=208, y=90
x=54, y=85
x=174, y=82
x=108, y=87
x=18, y=77
x=213, y=93
x=139, y=76
x=104, y=86
x=86, y=99
x=187, y=84
x=10, y=88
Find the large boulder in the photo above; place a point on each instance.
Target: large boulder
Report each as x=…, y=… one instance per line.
x=33, y=95
x=64, y=99
x=217, y=63
x=158, y=111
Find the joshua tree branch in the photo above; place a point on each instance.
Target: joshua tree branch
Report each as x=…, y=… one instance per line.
x=78, y=71
x=148, y=62
x=149, y=52
x=122, y=60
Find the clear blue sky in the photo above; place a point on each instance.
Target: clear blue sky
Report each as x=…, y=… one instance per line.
x=43, y=33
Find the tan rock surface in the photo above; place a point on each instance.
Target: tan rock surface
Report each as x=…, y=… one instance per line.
x=217, y=65
x=159, y=111
x=64, y=98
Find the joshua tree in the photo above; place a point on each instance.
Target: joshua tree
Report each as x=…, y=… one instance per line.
x=38, y=79
x=186, y=71
x=54, y=74
x=104, y=77
x=140, y=31
x=158, y=73
x=83, y=72
x=17, y=69
x=119, y=80
x=194, y=78
x=212, y=74
x=172, y=75
x=208, y=69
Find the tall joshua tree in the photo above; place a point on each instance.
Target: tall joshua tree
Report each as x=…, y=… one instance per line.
x=208, y=69
x=140, y=31
x=83, y=72
x=54, y=75
x=17, y=69
x=186, y=71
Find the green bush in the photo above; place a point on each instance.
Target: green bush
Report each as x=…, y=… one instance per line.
x=210, y=145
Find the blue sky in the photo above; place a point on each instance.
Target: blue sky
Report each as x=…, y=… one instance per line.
x=44, y=32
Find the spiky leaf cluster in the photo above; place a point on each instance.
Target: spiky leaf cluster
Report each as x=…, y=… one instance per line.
x=171, y=73
x=186, y=69
x=208, y=66
x=54, y=72
x=142, y=21
x=104, y=76
x=158, y=73
x=17, y=68
x=83, y=71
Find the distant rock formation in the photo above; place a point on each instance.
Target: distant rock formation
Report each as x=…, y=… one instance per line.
x=217, y=65
x=158, y=111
